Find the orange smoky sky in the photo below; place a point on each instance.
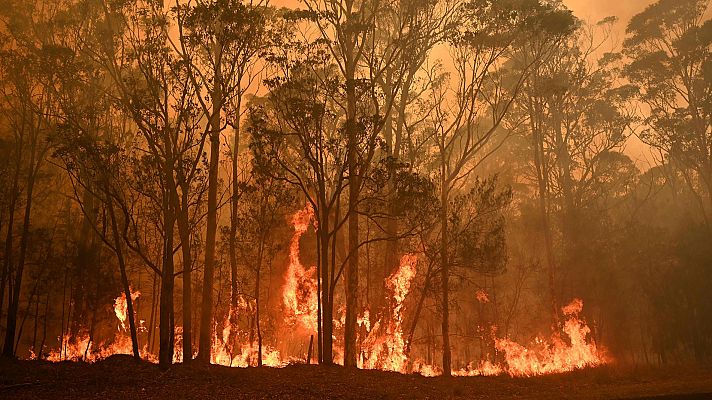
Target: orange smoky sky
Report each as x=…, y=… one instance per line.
x=587, y=9
x=590, y=11
x=595, y=10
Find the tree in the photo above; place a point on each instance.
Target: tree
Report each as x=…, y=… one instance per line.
x=29, y=102
x=219, y=42
x=151, y=86
x=266, y=198
x=295, y=136
x=669, y=45
x=576, y=118
x=464, y=127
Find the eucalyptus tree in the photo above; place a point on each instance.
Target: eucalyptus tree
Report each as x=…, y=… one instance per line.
x=669, y=47
x=470, y=110
x=28, y=101
x=370, y=43
x=295, y=136
x=577, y=117
x=402, y=62
x=220, y=42
x=151, y=86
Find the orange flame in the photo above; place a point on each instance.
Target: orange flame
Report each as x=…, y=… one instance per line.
x=546, y=356
x=555, y=355
x=384, y=345
x=387, y=351
x=121, y=308
x=299, y=293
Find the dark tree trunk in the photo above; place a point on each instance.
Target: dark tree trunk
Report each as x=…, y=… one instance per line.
x=257, y=305
x=124, y=279
x=326, y=306
x=350, y=352
x=165, y=351
x=184, y=232
x=14, y=303
x=234, y=218
x=206, y=316
x=542, y=187
x=445, y=277
x=8, y=262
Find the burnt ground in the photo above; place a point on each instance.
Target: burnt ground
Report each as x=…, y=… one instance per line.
x=120, y=377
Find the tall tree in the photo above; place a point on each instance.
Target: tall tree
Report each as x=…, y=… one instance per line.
x=30, y=103
x=464, y=127
x=220, y=41
x=669, y=45
x=577, y=118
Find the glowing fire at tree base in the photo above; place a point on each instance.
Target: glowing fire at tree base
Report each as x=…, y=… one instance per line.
x=384, y=345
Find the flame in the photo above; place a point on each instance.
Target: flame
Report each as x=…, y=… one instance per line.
x=542, y=357
x=387, y=351
x=422, y=368
x=383, y=347
x=555, y=355
x=83, y=348
x=222, y=353
x=383, y=344
x=121, y=308
x=299, y=293
x=484, y=368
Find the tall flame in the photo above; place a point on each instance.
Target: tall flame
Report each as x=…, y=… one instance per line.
x=121, y=308
x=383, y=344
x=300, y=288
x=386, y=350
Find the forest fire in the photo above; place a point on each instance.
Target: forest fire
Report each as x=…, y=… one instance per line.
x=557, y=354
x=120, y=307
x=398, y=189
x=575, y=350
x=384, y=346
x=300, y=288
x=83, y=348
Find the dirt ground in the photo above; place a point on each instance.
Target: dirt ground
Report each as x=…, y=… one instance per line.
x=120, y=377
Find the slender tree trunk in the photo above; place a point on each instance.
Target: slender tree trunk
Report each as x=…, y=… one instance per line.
x=390, y=257
x=44, y=328
x=326, y=305
x=151, y=318
x=184, y=232
x=569, y=239
x=540, y=166
x=206, y=317
x=124, y=278
x=35, y=325
x=8, y=262
x=165, y=351
x=319, y=306
x=445, y=275
x=14, y=303
x=418, y=310
x=257, y=304
x=26, y=314
x=234, y=217
x=350, y=353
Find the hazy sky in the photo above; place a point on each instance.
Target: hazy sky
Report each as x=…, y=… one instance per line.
x=595, y=10
x=590, y=11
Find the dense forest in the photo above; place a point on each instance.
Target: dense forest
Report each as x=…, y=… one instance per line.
x=437, y=186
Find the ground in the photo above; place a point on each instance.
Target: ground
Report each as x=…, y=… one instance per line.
x=120, y=377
